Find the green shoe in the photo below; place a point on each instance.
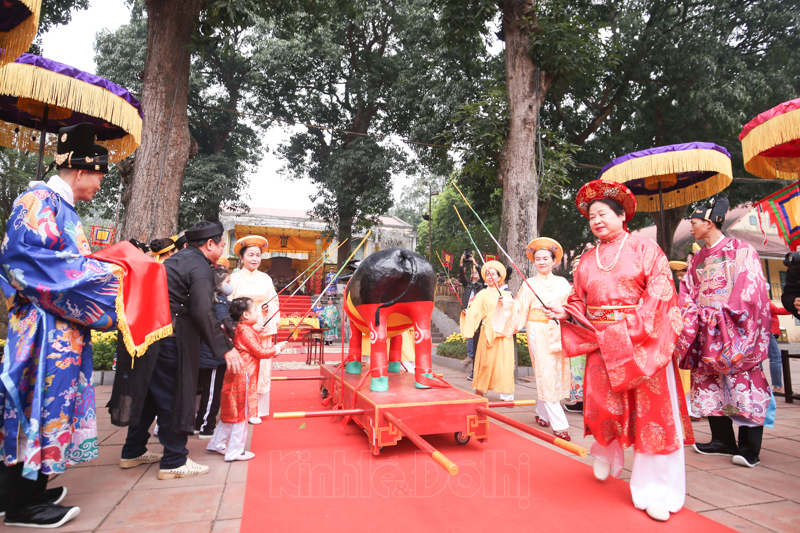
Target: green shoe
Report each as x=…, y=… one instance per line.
x=428, y=375
x=379, y=384
x=395, y=366
x=353, y=367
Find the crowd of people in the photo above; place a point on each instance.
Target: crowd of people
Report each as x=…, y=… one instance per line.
x=614, y=342
x=619, y=341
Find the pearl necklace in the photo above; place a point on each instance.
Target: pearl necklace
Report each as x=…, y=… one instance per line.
x=614, y=263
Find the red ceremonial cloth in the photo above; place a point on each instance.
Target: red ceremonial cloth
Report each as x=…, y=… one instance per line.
x=143, y=314
x=779, y=109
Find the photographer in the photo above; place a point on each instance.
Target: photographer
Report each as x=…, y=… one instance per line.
x=472, y=287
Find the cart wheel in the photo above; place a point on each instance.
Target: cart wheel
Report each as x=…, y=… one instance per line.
x=323, y=392
x=461, y=438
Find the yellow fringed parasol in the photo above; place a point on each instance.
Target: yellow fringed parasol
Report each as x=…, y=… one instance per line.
x=771, y=142
x=19, y=21
x=39, y=96
x=672, y=176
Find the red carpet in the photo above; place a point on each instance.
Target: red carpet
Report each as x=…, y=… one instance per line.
x=313, y=475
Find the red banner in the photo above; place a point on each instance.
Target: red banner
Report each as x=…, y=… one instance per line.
x=447, y=259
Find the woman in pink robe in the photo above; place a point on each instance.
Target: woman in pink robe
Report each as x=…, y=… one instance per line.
x=626, y=319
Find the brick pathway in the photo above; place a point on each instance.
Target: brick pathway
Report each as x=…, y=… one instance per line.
x=750, y=500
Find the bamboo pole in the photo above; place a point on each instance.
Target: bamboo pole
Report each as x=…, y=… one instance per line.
x=423, y=445
x=552, y=439
x=296, y=378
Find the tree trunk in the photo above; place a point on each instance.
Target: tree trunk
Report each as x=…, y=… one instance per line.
x=517, y=173
x=156, y=191
x=672, y=218
x=344, y=231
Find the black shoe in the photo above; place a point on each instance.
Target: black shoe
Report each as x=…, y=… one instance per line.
x=744, y=460
x=575, y=407
x=53, y=496
x=470, y=378
x=715, y=447
x=42, y=515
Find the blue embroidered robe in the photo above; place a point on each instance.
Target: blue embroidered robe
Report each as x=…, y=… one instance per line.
x=56, y=296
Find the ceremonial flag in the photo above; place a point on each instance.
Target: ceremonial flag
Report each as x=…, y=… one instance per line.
x=447, y=259
x=783, y=208
x=102, y=236
x=491, y=257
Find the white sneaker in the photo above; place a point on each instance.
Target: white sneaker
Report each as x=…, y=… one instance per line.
x=601, y=470
x=244, y=456
x=254, y=420
x=657, y=514
x=190, y=469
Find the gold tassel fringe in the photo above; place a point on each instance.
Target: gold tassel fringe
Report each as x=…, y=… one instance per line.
x=27, y=81
x=774, y=132
x=17, y=41
x=124, y=328
x=671, y=163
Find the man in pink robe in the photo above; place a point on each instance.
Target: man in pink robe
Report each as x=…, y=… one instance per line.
x=726, y=318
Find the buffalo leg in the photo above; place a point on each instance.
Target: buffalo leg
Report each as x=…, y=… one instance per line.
x=378, y=361
x=420, y=314
x=395, y=353
x=354, y=350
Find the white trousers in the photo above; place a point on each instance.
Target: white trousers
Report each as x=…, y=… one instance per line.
x=263, y=404
x=234, y=435
x=656, y=480
x=552, y=412
x=506, y=397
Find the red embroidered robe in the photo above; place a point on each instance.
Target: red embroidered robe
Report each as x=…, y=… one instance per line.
x=240, y=391
x=627, y=321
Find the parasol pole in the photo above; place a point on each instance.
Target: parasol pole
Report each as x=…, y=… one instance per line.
x=524, y=279
x=43, y=134
x=449, y=280
x=344, y=265
x=661, y=213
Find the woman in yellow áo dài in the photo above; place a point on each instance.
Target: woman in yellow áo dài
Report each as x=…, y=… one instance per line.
x=553, y=376
x=494, y=354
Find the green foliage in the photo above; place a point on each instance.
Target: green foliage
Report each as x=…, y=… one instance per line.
x=104, y=347
x=455, y=347
x=17, y=169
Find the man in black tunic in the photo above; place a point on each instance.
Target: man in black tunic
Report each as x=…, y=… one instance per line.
x=172, y=385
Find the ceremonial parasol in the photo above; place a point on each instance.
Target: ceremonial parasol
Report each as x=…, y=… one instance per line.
x=19, y=20
x=671, y=176
x=39, y=96
x=771, y=142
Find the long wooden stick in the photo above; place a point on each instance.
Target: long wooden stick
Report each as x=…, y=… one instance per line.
x=296, y=378
x=524, y=279
x=552, y=439
x=316, y=414
x=423, y=445
x=514, y=403
x=476, y=249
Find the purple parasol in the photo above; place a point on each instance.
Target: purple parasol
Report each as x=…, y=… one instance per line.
x=37, y=94
x=19, y=20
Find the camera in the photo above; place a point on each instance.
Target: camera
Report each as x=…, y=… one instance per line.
x=792, y=259
x=468, y=254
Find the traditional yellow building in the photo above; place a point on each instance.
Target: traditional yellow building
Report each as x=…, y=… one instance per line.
x=296, y=241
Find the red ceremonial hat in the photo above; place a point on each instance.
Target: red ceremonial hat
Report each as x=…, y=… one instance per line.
x=597, y=189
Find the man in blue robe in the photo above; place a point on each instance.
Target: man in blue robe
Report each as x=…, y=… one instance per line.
x=56, y=295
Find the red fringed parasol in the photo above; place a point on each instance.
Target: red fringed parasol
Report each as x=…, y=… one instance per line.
x=771, y=142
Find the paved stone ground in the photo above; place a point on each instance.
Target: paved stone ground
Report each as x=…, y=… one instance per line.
x=750, y=500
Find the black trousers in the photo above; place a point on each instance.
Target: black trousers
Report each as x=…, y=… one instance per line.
x=210, y=383
x=158, y=403
x=17, y=492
